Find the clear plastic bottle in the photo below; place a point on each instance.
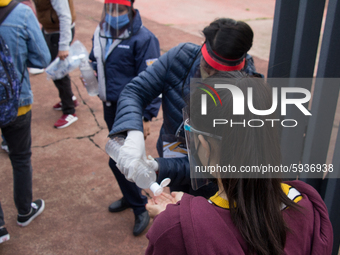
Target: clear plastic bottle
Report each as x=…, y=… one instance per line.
x=140, y=173
x=90, y=80
x=59, y=68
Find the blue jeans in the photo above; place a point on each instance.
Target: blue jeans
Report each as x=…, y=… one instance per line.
x=131, y=192
x=18, y=138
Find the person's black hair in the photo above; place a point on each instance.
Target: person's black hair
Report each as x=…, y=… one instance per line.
x=229, y=38
x=255, y=203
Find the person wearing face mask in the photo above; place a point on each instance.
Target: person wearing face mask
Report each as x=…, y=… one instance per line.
x=252, y=213
x=225, y=49
x=122, y=48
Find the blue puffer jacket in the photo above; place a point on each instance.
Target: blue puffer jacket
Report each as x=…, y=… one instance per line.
x=165, y=76
x=125, y=60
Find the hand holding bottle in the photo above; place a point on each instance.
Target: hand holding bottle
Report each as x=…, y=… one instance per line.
x=132, y=151
x=88, y=77
x=133, y=162
x=63, y=54
x=67, y=61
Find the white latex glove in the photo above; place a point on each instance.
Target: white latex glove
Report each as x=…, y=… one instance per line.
x=134, y=164
x=153, y=164
x=131, y=154
x=132, y=151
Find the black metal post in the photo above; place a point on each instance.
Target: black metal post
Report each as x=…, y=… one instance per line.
x=282, y=43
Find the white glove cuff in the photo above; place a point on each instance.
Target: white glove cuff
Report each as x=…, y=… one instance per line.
x=135, y=134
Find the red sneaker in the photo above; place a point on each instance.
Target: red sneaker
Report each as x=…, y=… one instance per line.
x=66, y=120
x=58, y=107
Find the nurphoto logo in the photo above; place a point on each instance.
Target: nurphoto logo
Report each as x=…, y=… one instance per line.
x=239, y=104
x=238, y=100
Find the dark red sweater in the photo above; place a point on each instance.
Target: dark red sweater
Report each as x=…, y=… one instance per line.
x=194, y=226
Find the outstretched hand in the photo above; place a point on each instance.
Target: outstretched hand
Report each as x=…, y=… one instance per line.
x=158, y=204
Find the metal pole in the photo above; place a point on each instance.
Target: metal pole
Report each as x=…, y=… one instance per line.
x=323, y=109
x=282, y=43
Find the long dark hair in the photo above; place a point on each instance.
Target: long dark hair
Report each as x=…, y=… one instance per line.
x=255, y=203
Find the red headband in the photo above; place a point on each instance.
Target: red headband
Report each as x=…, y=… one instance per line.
x=123, y=2
x=218, y=66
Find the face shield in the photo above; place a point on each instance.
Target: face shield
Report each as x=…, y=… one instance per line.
x=116, y=20
x=202, y=166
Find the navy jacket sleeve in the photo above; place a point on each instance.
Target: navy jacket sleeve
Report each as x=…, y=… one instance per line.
x=152, y=109
x=137, y=94
x=177, y=169
x=145, y=54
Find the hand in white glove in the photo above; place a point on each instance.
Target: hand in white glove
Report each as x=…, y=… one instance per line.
x=152, y=163
x=132, y=151
x=129, y=169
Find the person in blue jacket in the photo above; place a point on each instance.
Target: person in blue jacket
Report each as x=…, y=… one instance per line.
x=225, y=49
x=123, y=48
x=21, y=33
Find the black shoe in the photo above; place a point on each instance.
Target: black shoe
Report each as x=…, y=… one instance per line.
x=4, y=236
x=141, y=223
x=119, y=205
x=37, y=207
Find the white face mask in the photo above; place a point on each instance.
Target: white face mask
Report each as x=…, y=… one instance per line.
x=204, y=74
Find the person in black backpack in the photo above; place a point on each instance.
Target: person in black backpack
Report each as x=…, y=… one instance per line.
x=25, y=43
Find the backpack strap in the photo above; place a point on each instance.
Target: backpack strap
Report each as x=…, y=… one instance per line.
x=5, y=11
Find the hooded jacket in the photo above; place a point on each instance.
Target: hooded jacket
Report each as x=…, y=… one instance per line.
x=125, y=60
x=194, y=226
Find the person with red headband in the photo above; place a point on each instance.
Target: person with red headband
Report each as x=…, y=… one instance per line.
x=225, y=49
x=252, y=213
x=122, y=48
